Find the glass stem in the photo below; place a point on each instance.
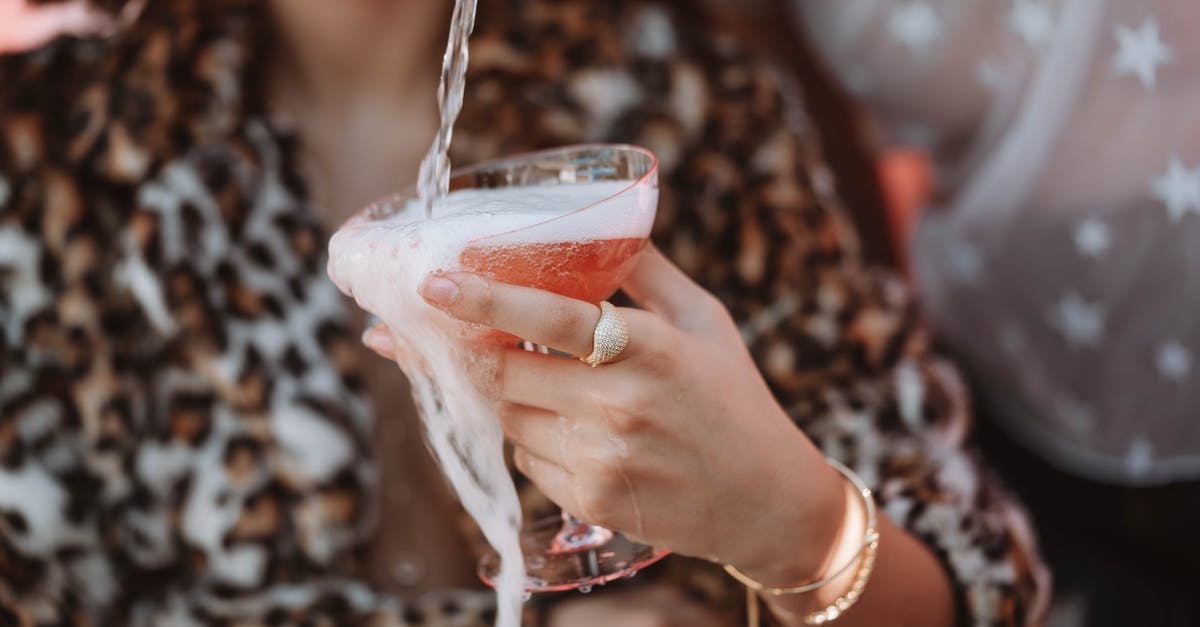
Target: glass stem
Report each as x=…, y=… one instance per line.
x=577, y=535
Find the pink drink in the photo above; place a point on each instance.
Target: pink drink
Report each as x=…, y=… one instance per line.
x=587, y=270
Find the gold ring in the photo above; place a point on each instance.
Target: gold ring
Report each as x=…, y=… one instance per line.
x=610, y=337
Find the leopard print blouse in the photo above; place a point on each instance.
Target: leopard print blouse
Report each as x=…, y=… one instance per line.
x=183, y=434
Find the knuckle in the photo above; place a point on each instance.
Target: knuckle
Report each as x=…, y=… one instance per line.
x=521, y=461
x=628, y=422
x=509, y=420
x=600, y=497
x=605, y=458
x=708, y=310
x=627, y=401
x=661, y=349
x=640, y=396
x=480, y=301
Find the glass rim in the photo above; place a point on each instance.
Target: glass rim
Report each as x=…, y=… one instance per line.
x=370, y=211
x=651, y=170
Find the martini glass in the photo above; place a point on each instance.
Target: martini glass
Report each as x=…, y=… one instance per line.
x=584, y=252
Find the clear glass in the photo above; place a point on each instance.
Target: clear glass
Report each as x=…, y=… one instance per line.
x=565, y=553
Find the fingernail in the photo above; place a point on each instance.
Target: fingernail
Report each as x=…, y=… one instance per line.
x=440, y=291
x=379, y=340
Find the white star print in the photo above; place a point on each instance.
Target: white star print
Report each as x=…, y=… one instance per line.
x=916, y=25
x=1178, y=189
x=1140, y=51
x=653, y=34
x=1174, y=361
x=1081, y=323
x=1139, y=457
x=1032, y=20
x=1092, y=238
x=964, y=261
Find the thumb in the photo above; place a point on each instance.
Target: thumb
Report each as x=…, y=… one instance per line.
x=660, y=286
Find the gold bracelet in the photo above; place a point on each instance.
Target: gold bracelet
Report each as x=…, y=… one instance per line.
x=843, y=603
x=866, y=551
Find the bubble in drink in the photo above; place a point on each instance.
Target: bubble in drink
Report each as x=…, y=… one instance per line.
x=525, y=235
x=588, y=270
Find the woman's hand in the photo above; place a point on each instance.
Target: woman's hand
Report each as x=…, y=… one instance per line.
x=677, y=443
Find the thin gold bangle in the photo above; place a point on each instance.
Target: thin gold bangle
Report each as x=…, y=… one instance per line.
x=834, y=610
x=870, y=537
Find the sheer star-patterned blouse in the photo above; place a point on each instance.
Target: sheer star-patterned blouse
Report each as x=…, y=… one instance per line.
x=1062, y=260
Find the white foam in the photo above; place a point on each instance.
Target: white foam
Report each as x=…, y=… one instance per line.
x=469, y=214
x=381, y=263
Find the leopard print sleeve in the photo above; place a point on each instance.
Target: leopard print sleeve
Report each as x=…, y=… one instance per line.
x=749, y=209
x=182, y=439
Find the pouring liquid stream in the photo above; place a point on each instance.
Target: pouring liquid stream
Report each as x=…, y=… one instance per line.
x=433, y=181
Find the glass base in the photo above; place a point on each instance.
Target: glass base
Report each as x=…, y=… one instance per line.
x=550, y=569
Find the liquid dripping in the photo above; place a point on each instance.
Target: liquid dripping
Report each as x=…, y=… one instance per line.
x=453, y=366
x=433, y=181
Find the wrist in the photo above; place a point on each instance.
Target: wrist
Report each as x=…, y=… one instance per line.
x=809, y=530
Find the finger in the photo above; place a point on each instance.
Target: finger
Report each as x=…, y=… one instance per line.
x=660, y=286
x=379, y=339
x=556, y=384
x=538, y=431
x=556, y=482
x=545, y=318
x=577, y=445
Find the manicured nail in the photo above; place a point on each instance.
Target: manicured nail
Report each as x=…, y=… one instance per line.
x=379, y=340
x=439, y=291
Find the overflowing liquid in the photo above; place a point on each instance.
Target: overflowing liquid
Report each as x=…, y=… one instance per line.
x=524, y=235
